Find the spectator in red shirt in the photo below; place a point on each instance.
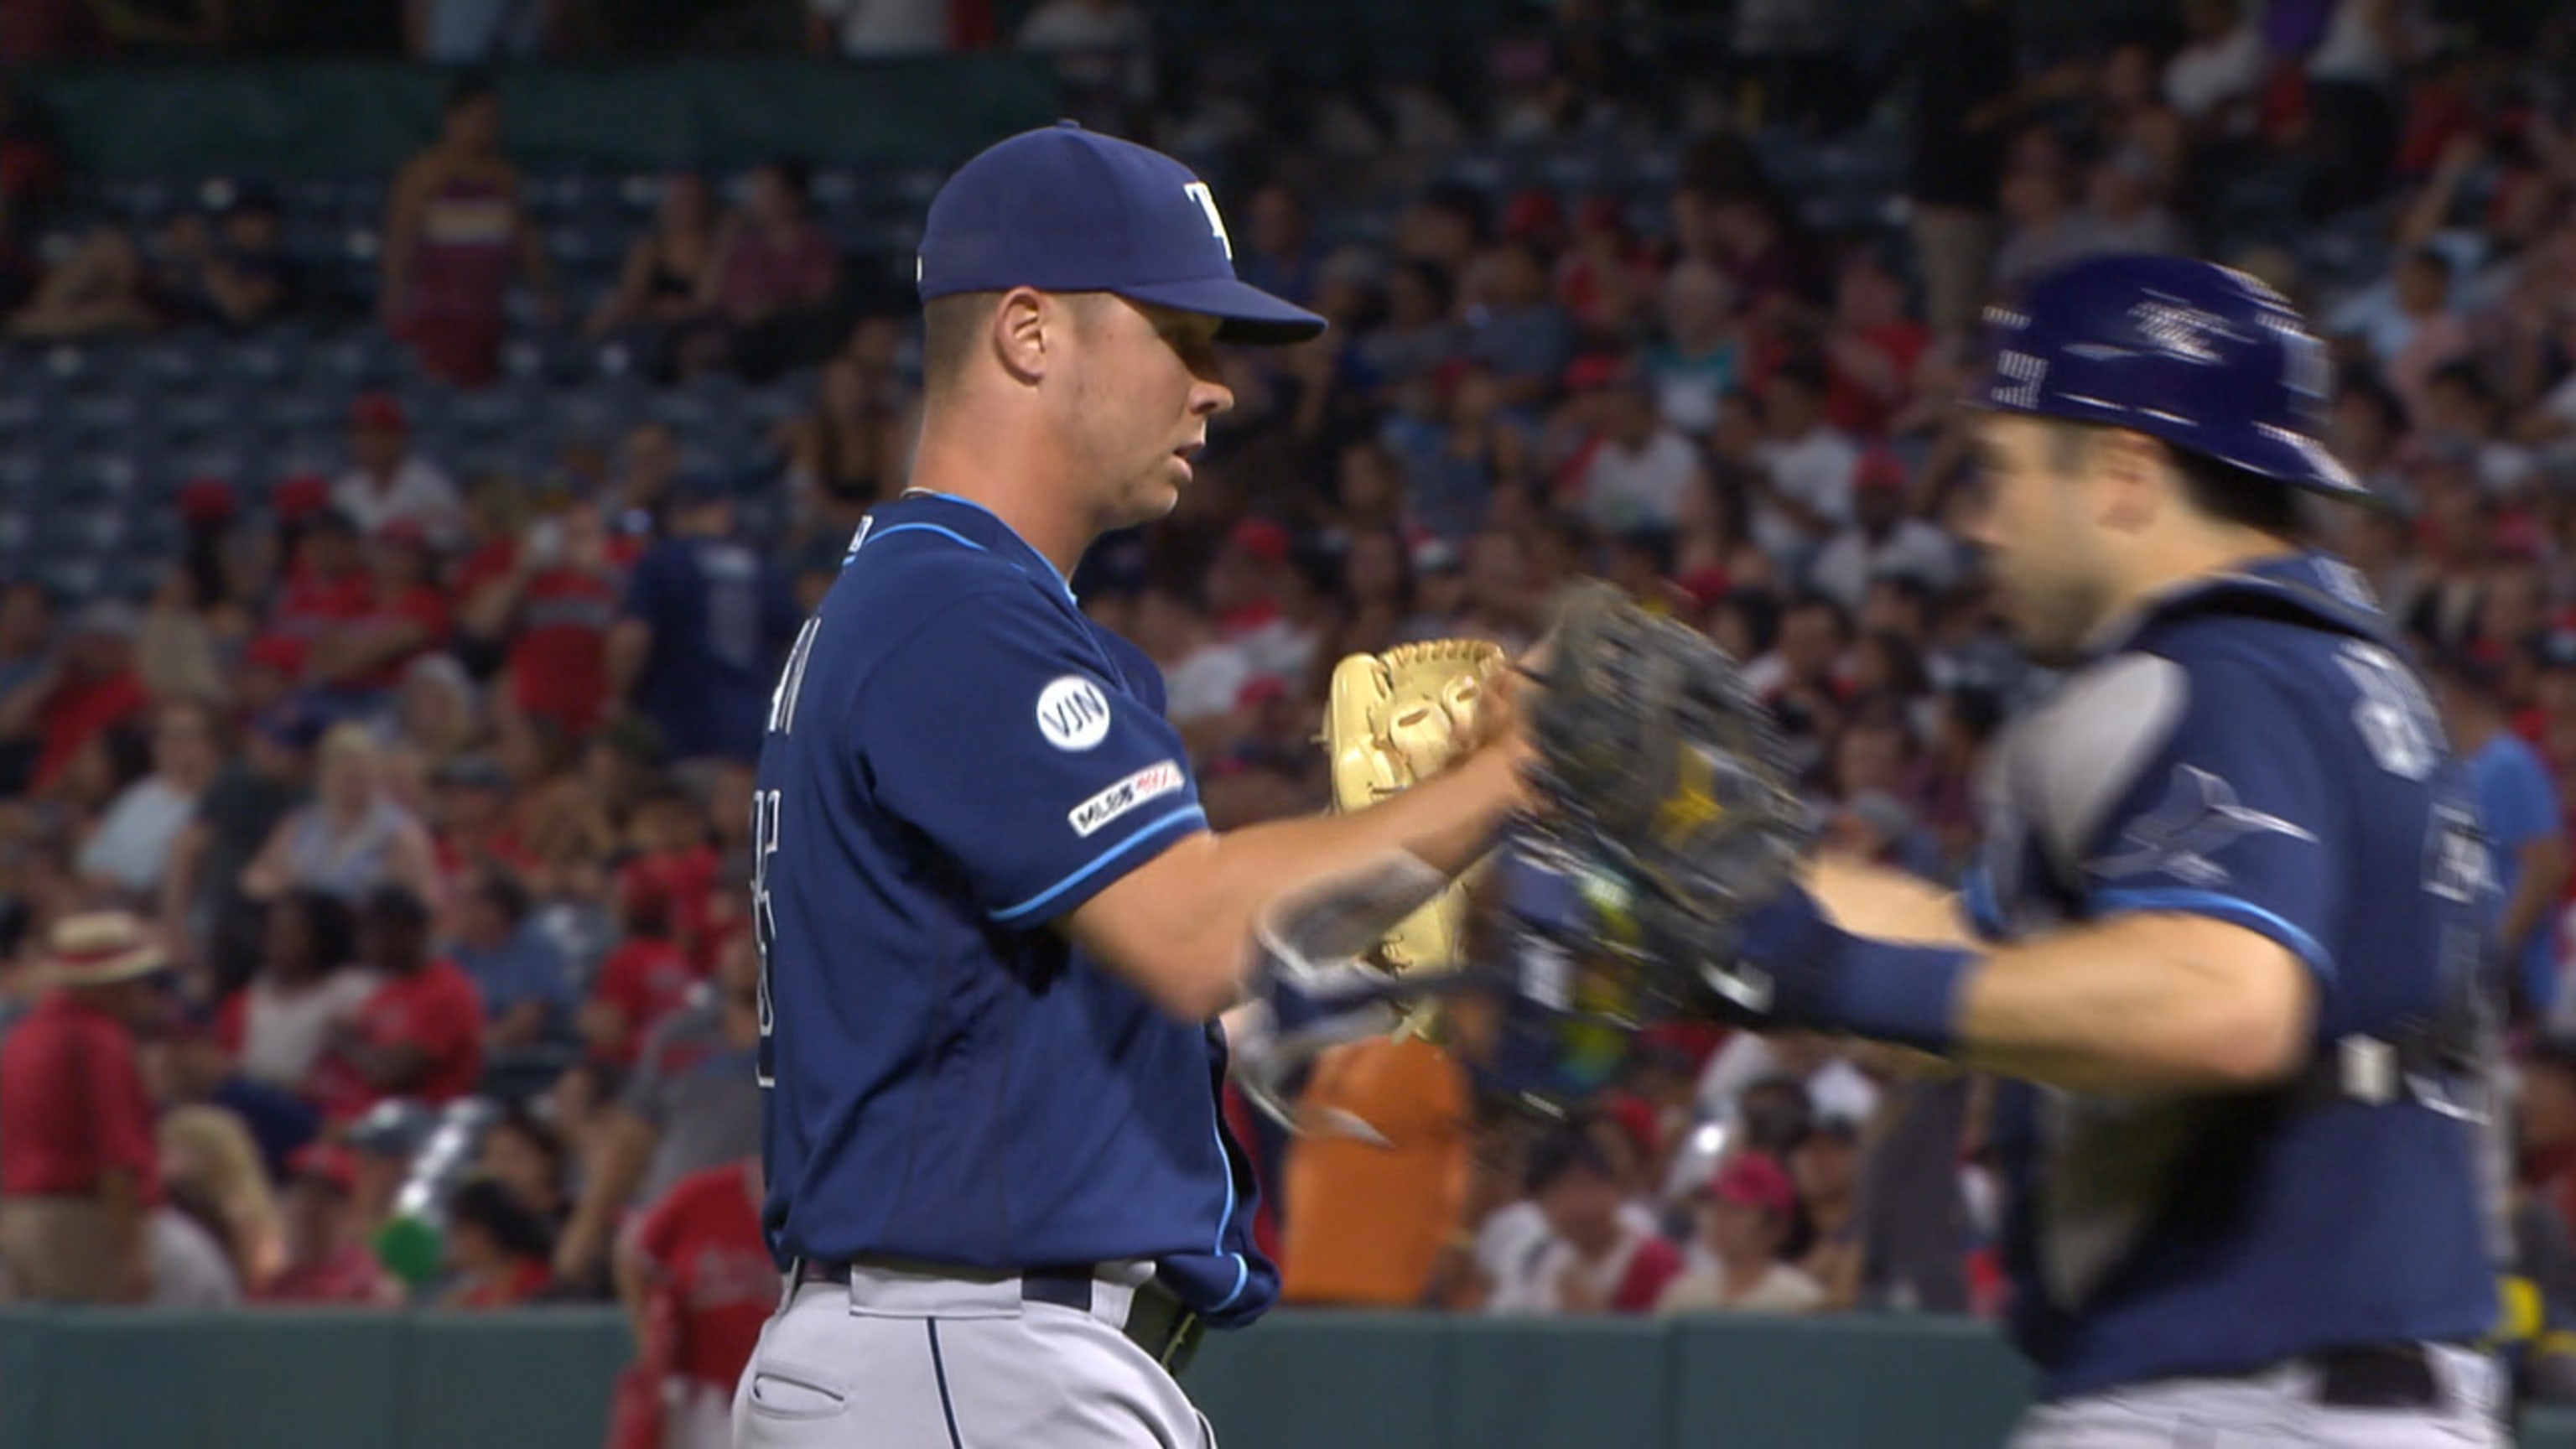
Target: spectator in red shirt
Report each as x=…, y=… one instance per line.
x=498, y=1248
x=702, y=1247
x=419, y=1036
x=85, y=690
x=554, y=605
x=1596, y=1259
x=1871, y=349
x=404, y=617
x=772, y=280
x=79, y=1162
x=327, y=1258
x=643, y=979
x=326, y=585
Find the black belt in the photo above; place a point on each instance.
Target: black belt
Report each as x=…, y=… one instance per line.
x=2377, y=1376
x=1167, y=1329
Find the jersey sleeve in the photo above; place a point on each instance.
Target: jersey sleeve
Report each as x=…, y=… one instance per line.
x=1004, y=732
x=2229, y=818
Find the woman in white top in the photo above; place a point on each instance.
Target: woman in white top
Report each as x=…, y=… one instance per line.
x=352, y=838
x=274, y=1027
x=130, y=848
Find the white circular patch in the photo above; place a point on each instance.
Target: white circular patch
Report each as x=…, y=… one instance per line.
x=1072, y=714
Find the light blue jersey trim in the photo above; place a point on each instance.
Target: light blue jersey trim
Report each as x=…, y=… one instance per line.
x=1186, y=815
x=947, y=533
x=1061, y=581
x=1242, y=1269
x=2225, y=908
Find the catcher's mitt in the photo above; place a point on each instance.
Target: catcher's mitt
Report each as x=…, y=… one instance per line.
x=1395, y=720
x=1666, y=788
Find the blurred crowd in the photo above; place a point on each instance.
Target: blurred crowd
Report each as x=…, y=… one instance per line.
x=391, y=856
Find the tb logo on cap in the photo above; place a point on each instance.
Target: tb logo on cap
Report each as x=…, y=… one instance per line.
x=1198, y=192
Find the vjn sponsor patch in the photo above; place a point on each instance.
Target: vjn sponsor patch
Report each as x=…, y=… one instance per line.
x=1161, y=778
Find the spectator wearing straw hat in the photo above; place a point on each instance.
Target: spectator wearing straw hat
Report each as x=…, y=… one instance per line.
x=79, y=1165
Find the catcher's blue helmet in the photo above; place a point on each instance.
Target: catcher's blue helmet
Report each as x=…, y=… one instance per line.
x=2199, y=355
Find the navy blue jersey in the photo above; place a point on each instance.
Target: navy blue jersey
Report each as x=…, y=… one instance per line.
x=2251, y=753
x=721, y=616
x=956, y=758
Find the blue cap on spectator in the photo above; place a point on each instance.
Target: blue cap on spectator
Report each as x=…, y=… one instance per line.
x=1063, y=209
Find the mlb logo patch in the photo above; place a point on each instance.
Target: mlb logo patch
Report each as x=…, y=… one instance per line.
x=1160, y=778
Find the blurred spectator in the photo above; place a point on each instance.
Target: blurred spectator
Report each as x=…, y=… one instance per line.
x=355, y=661
x=1803, y=489
x=846, y=455
x=1103, y=56
x=701, y=1252
x=79, y=1169
x=1883, y=540
x=418, y=1035
x=2043, y=229
x=1514, y=325
x=100, y=288
x=466, y=31
x=1367, y=1222
x=554, y=604
x=1596, y=1257
x=327, y=1260
x=517, y=968
x=86, y=687
x=207, y=1149
x=1826, y=1170
x=131, y=845
x=1641, y=469
x=691, y=1103
x=772, y=282
x=2545, y=1124
x=352, y=837
x=705, y=621
x=2212, y=80
x=668, y=270
x=388, y=482
x=890, y=27
x=204, y=909
x=2518, y=806
x=1966, y=55
x=2408, y=325
x=1745, y=1217
x=272, y=1029
x=1700, y=358
x=455, y=229
x=497, y=1248
x=527, y=1156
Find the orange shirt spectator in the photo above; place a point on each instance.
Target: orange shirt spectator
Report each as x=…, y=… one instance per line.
x=1364, y=1223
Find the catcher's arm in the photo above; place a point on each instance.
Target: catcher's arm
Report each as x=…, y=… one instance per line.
x=1888, y=904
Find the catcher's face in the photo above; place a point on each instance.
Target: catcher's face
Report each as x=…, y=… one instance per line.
x=1145, y=385
x=2040, y=528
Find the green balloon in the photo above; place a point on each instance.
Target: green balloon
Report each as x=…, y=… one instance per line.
x=410, y=1249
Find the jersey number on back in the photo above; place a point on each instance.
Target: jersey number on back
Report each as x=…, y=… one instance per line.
x=2395, y=719
x=791, y=680
x=764, y=922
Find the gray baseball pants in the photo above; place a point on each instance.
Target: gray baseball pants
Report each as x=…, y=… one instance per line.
x=903, y=1361
x=2278, y=1409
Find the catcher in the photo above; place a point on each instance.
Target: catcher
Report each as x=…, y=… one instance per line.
x=2227, y=934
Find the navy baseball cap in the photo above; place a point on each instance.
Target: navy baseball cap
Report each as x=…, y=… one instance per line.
x=1063, y=209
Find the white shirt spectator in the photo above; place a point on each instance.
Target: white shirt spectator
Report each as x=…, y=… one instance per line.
x=421, y=493
x=1815, y=470
x=1851, y=562
x=885, y=27
x=1835, y=1089
x=1784, y=1289
x=2200, y=79
x=1520, y=1256
x=189, y=1269
x=1207, y=684
x=131, y=846
x=283, y=1028
x=1626, y=489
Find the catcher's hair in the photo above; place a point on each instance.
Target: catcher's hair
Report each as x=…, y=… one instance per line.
x=2221, y=492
